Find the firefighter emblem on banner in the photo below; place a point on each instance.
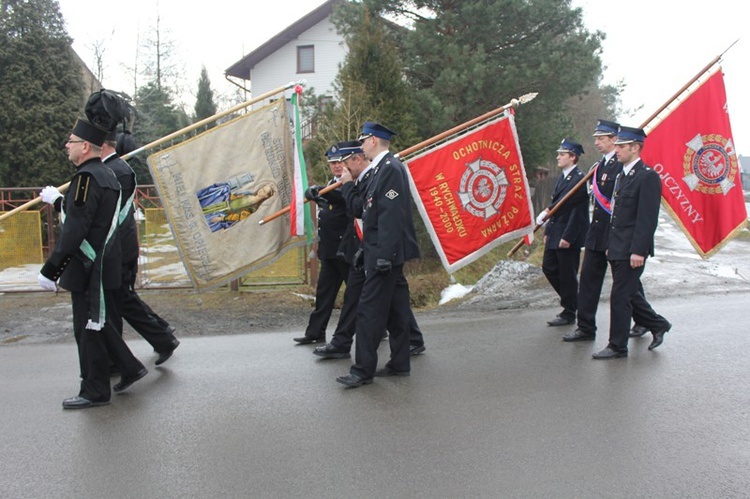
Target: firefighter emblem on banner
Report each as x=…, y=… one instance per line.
x=483, y=188
x=472, y=192
x=710, y=164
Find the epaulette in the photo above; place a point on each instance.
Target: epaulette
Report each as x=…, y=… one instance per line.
x=82, y=182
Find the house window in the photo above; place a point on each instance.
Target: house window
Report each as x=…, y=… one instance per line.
x=306, y=59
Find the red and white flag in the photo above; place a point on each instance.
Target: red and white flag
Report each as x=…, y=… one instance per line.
x=693, y=152
x=472, y=192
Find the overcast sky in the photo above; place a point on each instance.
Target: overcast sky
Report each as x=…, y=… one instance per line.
x=654, y=46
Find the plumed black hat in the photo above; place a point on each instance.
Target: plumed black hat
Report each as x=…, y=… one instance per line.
x=107, y=109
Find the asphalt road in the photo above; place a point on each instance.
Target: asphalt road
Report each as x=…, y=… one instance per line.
x=498, y=406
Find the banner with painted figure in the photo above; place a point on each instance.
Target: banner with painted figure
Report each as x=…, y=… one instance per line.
x=215, y=188
x=693, y=152
x=472, y=192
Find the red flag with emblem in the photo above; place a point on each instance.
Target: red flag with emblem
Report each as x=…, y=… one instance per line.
x=693, y=152
x=472, y=192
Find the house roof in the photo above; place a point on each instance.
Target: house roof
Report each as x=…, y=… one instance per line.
x=241, y=68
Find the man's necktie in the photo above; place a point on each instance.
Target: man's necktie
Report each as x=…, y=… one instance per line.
x=614, y=192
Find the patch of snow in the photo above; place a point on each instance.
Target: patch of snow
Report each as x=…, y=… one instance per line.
x=454, y=291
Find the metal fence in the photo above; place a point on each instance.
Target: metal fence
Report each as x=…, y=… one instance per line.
x=26, y=239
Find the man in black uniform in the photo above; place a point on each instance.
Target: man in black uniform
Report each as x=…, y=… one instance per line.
x=332, y=223
x=108, y=109
x=388, y=240
x=352, y=159
x=565, y=232
x=86, y=259
x=355, y=178
x=594, y=265
x=139, y=315
x=635, y=215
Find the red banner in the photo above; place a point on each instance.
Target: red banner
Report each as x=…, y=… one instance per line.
x=693, y=152
x=472, y=192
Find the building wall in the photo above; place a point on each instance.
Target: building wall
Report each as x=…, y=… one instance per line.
x=280, y=67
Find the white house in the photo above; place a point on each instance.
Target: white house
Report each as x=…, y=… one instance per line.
x=310, y=49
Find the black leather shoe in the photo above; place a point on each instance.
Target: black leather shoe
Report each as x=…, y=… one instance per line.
x=81, y=403
x=610, y=353
x=329, y=351
x=126, y=381
x=388, y=371
x=306, y=340
x=659, y=337
x=638, y=331
x=353, y=381
x=579, y=335
x=416, y=349
x=560, y=321
x=166, y=354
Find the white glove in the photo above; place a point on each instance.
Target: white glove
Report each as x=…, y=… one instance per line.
x=50, y=194
x=541, y=218
x=47, y=284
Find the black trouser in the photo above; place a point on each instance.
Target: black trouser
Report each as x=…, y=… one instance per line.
x=560, y=266
x=333, y=272
x=625, y=303
x=383, y=304
x=139, y=315
x=343, y=337
x=593, y=270
x=96, y=347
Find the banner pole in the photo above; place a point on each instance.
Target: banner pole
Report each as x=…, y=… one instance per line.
x=425, y=143
x=162, y=140
x=646, y=123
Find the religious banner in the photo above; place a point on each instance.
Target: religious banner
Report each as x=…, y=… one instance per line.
x=215, y=187
x=693, y=152
x=472, y=192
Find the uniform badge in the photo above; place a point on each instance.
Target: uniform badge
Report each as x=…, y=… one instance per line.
x=82, y=189
x=483, y=188
x=604, y=177
x=710, y=164
x=391, y=194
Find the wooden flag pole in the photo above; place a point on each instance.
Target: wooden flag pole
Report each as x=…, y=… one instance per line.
x=648, y=121
x=553, y=209
x=162, y=140
x=426, y=143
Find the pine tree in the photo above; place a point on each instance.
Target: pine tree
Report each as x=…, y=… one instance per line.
x=157, y=118
x=41, y=86
x=205, y=106
x=471, y=56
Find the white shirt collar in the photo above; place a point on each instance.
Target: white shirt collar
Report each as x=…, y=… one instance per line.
x=567, y=171
x=626, y=169
x=368, y=168
x=609, y=155
x=105, y=159
x=379, y=157
x=372, y=164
